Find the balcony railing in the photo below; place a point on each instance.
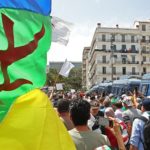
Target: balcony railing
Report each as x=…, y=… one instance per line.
x=145, y=41
x=133, y=73
x=145, y=52
x=133, y=62
x=145, y=62
x=102, y=62
x=118, y=40
x=119, y=62
x=118, y=51
x=118, y=73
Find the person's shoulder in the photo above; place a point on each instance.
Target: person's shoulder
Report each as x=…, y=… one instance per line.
x=72, y=131
x=98, y=135
x=138, y=110
x=139, y=120
x=126, y=111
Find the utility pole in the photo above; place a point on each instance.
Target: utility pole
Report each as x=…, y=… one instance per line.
x=112, y=55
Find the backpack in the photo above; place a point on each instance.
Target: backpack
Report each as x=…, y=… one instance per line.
x=146, y=133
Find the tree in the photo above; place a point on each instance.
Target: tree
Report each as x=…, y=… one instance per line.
x=74, y=81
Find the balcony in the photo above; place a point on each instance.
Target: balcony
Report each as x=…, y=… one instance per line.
x=133, y=62
x=145, y=62
x=133, y=73
x=145, y=52
x=145, y=41
x=118, y=40
x=118, y=51
x=102, y=62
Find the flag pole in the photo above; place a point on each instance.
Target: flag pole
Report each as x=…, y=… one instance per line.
x=52, y=93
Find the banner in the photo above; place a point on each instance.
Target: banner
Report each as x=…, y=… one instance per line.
x=65, y=69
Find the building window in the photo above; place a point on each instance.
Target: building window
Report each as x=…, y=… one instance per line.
x=133, y=48
x=115, y=56
x=133, y=70
x=103, y=47
x=132, y=39
x=114, y=47
x=144, y=70
x=103, y=37
x=114, y=70
x=104, y=79
x=104, y=70
x=133, y=59
x=123, y=38
x=124, y=60
x=123, y=70
x=144, y=48
x=143, y=39
x=124, y=48
x=143, y=27
x=113, y=38
x=144, y=58
x=104, y=59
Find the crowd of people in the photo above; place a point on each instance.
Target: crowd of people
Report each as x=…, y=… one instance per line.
x=97, y=122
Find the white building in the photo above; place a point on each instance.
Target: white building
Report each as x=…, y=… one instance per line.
x=118, y=51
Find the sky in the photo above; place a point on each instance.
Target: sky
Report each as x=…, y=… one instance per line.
x=85, y=14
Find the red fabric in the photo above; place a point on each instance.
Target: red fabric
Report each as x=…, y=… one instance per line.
x=111, y=137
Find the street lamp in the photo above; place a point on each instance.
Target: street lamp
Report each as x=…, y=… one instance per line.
x=112, y=55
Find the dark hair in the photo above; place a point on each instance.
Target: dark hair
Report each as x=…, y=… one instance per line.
x=146, y=104
x=106, y=103
x=118, y=104
x=63, y=105
x=79, y=112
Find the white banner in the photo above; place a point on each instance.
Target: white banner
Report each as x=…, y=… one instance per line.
x=65, y=69
x=60, y=30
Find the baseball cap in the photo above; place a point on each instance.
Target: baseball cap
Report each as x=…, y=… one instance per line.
x=123, y=96
x=94, y=104
x=111, y=95
x=127, y=100
x=146, y=102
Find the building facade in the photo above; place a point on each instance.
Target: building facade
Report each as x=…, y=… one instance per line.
x=118, y=51
x=85, y=65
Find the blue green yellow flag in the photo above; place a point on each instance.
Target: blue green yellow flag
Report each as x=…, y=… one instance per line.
x=25, y=37
x=27, y=119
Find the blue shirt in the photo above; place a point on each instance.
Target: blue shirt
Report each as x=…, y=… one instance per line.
x=137, y=132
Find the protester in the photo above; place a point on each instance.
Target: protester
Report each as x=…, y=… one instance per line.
x=137, y=138
x=109, y=113
x=118, y=110
x=83, y=137
x=93, y=123
x=130, y=113
x=63, y=111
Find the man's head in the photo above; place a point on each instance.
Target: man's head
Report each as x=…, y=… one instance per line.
x=146, y=104
x=63, y=106
x=109, y=112
x=107, y=102
x=94, y=107
x=79, y=112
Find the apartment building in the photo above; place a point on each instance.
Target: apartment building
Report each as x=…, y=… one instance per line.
x=118, y=51
x=85, y=65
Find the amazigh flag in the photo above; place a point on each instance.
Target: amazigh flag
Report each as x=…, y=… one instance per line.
x=27, y=119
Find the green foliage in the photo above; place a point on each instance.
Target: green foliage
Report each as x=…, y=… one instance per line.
x=74, y=81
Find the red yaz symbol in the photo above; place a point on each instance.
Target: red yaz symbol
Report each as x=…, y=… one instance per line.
x=13, y=54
